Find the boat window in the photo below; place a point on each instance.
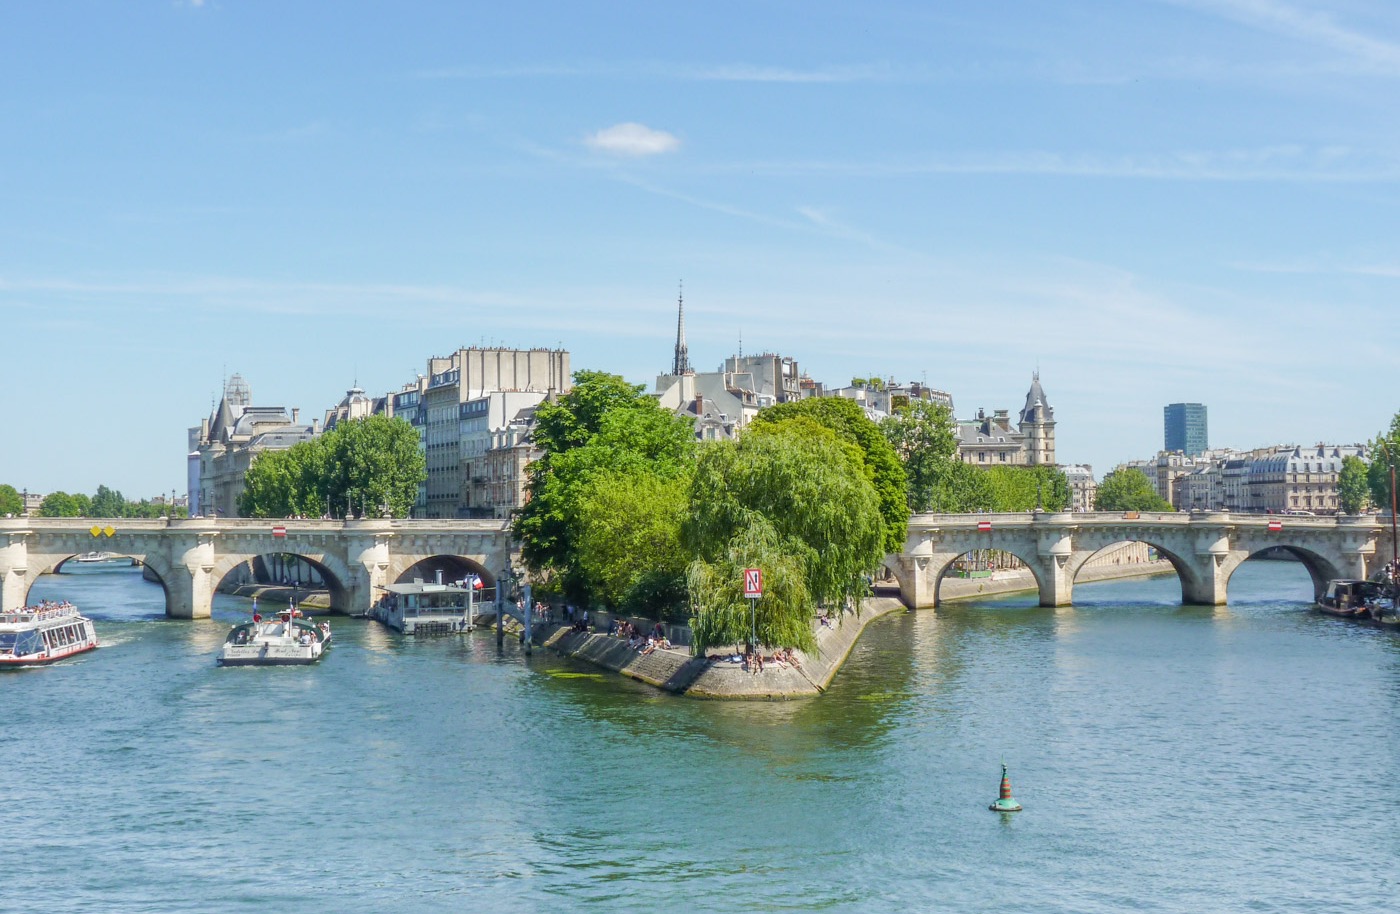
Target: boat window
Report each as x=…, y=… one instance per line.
x=29, y=643
x=7, y=641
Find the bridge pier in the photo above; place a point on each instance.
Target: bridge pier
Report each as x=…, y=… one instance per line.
x=1054, y=546
x=368, y=571
x=918, y=580
x=14, y=571
x=189, y=594
x=1056, y=584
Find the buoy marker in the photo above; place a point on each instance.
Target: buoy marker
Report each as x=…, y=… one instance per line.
x=1005, y=802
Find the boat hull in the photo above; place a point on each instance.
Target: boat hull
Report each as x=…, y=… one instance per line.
x=46, y=659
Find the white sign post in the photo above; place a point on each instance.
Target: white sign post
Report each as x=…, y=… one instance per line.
x=753, y=589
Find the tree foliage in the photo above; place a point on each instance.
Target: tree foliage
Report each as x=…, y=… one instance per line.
x=1020, y=488
x=795, y=500
x=107, y=503
x=1354, y=485
x=629, y=547
x=923, y=435
x=10, y=500
x=880, y=462
x=368, y=466
x=1384, y=449
x=607, y=447
x=961, y=488
x=1129, y=489
x=62, y=504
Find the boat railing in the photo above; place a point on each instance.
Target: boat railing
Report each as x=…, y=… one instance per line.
x=39, y=613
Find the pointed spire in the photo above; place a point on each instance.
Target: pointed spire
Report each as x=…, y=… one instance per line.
x=681, y=363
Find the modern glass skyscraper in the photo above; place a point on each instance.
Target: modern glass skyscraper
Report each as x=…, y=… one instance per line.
x=1185, y=425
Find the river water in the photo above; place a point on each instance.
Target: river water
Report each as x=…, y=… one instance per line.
x=1169, y=758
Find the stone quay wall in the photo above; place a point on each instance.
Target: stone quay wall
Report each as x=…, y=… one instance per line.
x=715, y=678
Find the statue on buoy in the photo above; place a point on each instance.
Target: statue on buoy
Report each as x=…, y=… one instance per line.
x=1005, y=802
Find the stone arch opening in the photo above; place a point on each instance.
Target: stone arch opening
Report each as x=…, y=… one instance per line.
x=152, y=570
x=1111, y=559
x=979, y=572
x=1320, y=569
x=453, y=568
x=1081, y=565
x=332, y=577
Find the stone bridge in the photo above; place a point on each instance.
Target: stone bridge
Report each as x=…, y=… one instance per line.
x=1204, y=548
x=191, y=556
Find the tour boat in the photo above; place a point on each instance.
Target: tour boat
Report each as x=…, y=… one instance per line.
x=289, y=639
x=43, y=634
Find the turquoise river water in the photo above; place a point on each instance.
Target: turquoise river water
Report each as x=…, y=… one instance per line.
x=1169, y=758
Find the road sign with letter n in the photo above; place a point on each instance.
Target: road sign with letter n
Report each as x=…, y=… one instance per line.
x=753, y=583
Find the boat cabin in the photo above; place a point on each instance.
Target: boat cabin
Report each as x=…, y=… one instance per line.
x=428, y=608
x=1351, y=594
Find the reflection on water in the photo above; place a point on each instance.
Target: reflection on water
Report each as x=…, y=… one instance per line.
x=1171, y=758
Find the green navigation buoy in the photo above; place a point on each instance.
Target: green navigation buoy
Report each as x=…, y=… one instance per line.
x=1006, y=802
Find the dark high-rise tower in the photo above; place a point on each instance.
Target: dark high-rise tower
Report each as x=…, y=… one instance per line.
x=681, y=363
x=1185, y=428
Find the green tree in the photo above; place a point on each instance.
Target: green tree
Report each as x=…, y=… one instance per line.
x=107, y=503
x=1353, y=485
x=374, y=464
x=881, y=464
x=369, y=466
x=573, y=419
x=601, y=441
x=1129, y=489
x=1384, y=449
x=960, y=488
x=62, y=504
x=1025, y=488
x=923, y=435
x=629, y=547
x=10, y=501
x=795, y=500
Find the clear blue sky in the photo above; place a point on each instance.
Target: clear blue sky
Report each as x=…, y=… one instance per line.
x=1150, y=201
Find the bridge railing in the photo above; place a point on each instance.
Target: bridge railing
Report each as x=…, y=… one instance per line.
x=1146, y=518
x=135, y=524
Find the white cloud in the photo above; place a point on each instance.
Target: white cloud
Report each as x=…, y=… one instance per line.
x=633, y=140
x=1314, y=27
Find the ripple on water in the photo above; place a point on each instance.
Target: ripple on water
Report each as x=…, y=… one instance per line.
x=1169, y=758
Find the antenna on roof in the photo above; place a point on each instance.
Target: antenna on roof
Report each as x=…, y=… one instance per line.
x=741, y=342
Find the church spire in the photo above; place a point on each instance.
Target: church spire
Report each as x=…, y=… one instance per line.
x=681, y=363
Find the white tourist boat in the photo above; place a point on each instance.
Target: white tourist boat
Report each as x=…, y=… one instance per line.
x=44, y=633
x=288, y=639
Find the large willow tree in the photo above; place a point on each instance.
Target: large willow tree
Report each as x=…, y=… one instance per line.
x=790, y=498
x=878, y=460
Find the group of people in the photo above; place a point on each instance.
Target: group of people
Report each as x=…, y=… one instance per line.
x=656, y=638
x=783, y=657
x=46, y=606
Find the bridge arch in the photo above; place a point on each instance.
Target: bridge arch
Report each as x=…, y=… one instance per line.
x=329, y=566
x=153, y=566
x=453, y=568
x=1088, y=547
x=1029, y=564
x=1320, y=568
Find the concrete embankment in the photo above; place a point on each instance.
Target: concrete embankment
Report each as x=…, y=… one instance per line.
x=278, y=596
x=716, y=677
